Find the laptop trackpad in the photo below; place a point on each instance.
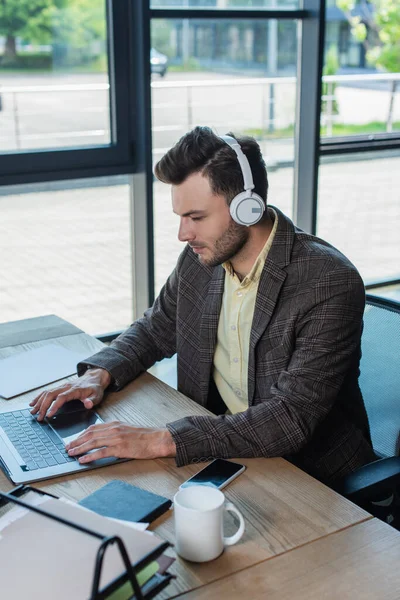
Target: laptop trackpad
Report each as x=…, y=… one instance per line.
x=69, y=425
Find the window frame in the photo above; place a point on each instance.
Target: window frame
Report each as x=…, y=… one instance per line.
x=129, y=23
x=126, y=114
x=310, y=17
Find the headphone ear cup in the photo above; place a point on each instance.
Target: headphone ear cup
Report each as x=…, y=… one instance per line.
x=247, y=208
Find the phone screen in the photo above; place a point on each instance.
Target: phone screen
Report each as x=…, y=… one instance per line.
x=215, y=474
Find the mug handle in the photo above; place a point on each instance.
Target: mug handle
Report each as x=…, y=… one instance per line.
x=229, y=541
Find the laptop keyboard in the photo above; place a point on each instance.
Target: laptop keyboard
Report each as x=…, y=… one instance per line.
x=35, y=441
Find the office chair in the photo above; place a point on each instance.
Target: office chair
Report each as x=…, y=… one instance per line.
x=380, y=387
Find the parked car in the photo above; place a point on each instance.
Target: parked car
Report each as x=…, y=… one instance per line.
x=158, y=62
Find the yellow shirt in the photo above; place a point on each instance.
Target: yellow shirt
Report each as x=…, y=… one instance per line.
x=231, y=357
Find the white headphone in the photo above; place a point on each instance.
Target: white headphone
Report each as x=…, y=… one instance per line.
x=247, y=208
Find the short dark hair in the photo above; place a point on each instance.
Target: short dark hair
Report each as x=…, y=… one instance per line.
x=202, y=151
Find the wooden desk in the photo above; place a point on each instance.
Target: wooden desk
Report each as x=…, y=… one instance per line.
x=284, y=508
x=358, y=562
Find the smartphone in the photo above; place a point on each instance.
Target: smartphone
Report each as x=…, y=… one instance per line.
x=217, y=474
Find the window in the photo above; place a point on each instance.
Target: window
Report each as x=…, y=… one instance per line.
x=225, y=4
x=65, y=248
x=54, y=76
x=232, y=75
x=358, y=210
x=361, y=73
x=357, y=206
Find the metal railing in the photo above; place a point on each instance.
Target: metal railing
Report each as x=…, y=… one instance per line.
x=328, y=116
x=266, y=121
x=15, y=91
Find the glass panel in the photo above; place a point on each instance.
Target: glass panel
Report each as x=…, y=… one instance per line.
x=226, y=4
x=65, y=249
x=358, y=210
x=362, y=70
x=392, y=292
x=54, y=83
x=232, y=76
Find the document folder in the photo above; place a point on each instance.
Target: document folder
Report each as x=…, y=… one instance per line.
x=125, y=585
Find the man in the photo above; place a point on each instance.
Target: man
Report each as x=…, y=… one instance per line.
x=266, y=322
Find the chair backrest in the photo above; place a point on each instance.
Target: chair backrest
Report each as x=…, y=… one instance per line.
x=380, y=373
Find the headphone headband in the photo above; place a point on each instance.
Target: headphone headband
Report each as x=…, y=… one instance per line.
x=247, y=208
x=243, y=161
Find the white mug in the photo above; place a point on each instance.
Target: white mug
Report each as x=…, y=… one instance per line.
x=198, y=513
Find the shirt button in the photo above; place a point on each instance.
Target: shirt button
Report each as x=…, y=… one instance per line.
x=239, y=293
x=235, y=360
x=238, y=392
x=233, y=327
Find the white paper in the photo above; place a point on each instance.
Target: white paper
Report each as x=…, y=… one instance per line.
x=31, y=369
x=47, y=559
x=133, y=524
x=16, y=512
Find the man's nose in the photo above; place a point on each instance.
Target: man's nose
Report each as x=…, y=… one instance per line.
x=185, y=233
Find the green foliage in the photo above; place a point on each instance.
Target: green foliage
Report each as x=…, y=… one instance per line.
x=30, y=61
x=331, y=67
x=259, y=3
x=388, y=22
x=344, y=129
x=338, y=129
x=191, y=64
x=30, y=19
x=80, y=22
x=345, y=5
x=331, y=61
x=359, y=30
x=385, y=23
x=161, y=36
x=80, y=33
x=76, y=29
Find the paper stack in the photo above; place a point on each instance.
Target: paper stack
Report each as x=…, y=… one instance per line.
x=44, y=557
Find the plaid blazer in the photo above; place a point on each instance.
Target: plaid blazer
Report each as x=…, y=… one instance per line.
x=303, y=394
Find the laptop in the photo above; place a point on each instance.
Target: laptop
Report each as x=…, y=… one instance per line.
x=31, y=450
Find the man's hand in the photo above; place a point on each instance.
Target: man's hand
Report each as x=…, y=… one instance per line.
x=89, y=389
x=122, y=441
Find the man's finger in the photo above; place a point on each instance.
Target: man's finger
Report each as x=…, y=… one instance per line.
x=90, y=402
x=47, y=396
x=100, y=453
x=37, y=399
x=88, y=434
x=72, y=394
x=42, y=407
x=93, y=443
x=38, y=402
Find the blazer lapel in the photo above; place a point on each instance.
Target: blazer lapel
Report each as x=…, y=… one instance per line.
x=272, y=278
x=209, y=327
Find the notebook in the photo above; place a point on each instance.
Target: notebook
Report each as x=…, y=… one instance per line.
x=127, y=502
x=14, y=333
x=31, y=369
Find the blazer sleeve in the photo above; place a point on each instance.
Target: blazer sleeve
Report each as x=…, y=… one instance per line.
x=325, y=349
x=146, y=341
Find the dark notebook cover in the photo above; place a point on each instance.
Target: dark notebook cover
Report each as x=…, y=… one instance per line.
x=121, y=500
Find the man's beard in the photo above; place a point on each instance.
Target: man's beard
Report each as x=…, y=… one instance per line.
x=228, y=245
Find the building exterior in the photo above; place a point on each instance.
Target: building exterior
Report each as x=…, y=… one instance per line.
x=267, y=48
